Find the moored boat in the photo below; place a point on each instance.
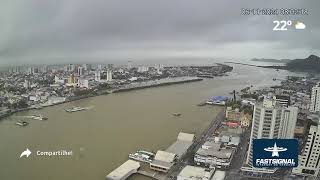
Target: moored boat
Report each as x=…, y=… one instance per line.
x=22, y=123
x=143, y=156
x=75, y=109
x=39, y=117
x=176, y=114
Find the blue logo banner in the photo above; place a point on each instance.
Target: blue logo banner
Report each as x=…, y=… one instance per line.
x=275, y=153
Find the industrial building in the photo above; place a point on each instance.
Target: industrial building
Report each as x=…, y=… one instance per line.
x=164, y=160
x=184, y=141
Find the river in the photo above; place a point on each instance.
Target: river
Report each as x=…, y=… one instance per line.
x=102, y=137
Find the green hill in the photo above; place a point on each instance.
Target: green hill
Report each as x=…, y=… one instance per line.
x=311, y=63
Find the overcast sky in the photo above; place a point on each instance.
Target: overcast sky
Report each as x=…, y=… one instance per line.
x=63, y=31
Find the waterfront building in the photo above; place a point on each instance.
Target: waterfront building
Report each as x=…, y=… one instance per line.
x=124, y=171
x=163, y=161
x=270, y=120
x=214, y=154
x=182, y=144
x=195, y=173
x=309, y=160
x=315, y=99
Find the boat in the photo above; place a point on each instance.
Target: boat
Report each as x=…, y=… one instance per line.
x=143, y=156
x=176, y=114
x=39, y=117
x=218, y=100
x=75, y=109
x=22, y=123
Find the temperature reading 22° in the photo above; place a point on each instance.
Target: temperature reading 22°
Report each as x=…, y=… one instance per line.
x=281, y=25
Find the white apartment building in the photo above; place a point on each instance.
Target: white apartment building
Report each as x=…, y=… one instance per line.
x=109, y=75
x=97, y=76
x=309, y=160
x=270, y=120
x=315, y=99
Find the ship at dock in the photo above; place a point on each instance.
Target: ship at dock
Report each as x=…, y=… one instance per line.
x=76, y=109
x=22, y=123
x=37, y=117
x=143, y=156
x=218, y=100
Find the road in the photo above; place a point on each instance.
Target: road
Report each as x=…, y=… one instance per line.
x=234, y=172
x=187, y=158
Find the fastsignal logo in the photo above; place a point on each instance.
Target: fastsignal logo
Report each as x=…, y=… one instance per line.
x=275, y=153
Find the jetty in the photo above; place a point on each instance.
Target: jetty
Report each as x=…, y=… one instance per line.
x=124, y=171
x=160, y=165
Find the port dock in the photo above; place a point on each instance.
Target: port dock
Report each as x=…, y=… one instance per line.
x=162, y=160
x=124, y=171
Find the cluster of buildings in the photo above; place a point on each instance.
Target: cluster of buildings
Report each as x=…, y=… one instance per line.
x=289, y=111
x=285, y=112
x=28, y=87
x=164, y=160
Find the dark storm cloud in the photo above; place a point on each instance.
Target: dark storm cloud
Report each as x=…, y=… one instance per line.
x=65, y=29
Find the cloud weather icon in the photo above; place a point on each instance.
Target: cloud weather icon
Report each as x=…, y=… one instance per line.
x=300, y=25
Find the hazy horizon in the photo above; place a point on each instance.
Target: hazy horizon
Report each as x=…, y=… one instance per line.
x=49, y=32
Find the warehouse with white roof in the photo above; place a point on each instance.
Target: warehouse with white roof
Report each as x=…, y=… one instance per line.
x=124, y=171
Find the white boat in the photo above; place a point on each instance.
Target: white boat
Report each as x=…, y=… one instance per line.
x=221, y=103
x=217, y=100
x=143, y=156
x=22, y=123
x=75, y=109
x=39, y=117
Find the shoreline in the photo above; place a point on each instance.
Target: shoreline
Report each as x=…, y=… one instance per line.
x=105, y=92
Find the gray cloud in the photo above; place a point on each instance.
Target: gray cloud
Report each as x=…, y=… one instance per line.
x=64, y=30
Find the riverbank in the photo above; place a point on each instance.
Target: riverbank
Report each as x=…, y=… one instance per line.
x=131, y=87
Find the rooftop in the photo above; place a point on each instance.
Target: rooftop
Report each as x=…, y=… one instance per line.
x=196, y=173
x=214, y=149
x=179, y=147
x=185, y=137
x=122, y=171
x=165, y=156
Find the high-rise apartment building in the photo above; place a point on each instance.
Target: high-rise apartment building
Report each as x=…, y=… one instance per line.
x=109, y=75
x=270, y=121
x=97, y=76
x=309, y=160
x=315, y=99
